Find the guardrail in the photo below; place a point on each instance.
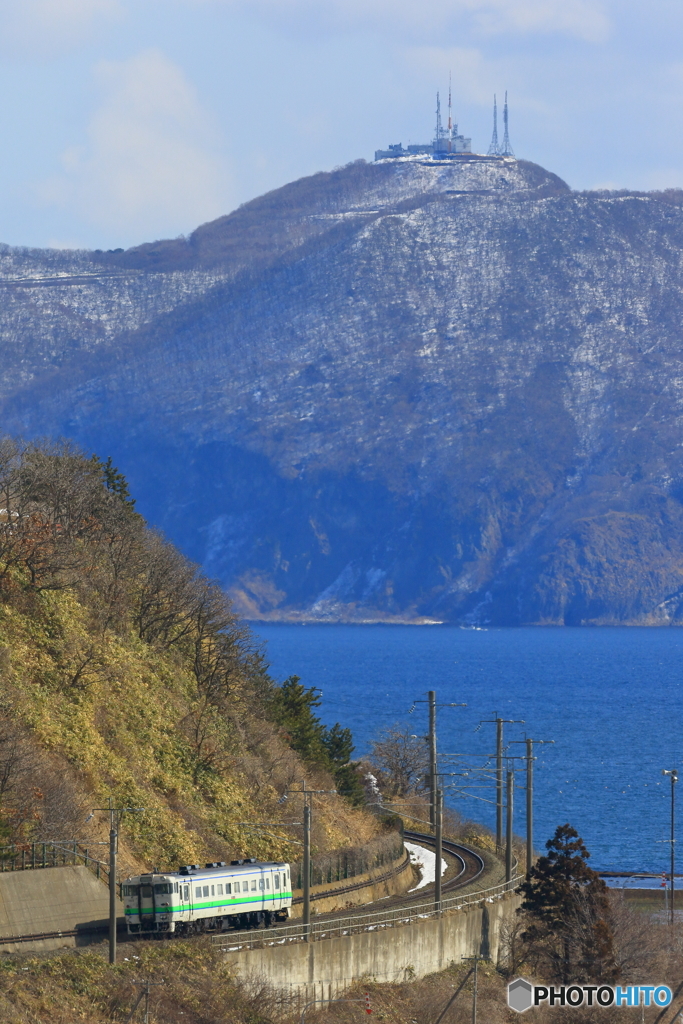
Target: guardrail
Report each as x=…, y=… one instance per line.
x=51, y=854
x=328, y=929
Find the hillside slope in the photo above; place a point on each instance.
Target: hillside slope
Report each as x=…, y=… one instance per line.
x=401, y=391
x=125, y=674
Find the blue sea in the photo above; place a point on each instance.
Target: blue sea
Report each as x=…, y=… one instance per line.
x=610, y=698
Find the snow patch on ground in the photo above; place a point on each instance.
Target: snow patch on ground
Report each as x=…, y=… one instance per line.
x=425, y=860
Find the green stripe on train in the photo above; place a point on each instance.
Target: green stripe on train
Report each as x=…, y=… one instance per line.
x=134, y=911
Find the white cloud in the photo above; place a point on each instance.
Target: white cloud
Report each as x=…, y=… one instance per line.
x=584, y=19
x=38, y=28
x=148, y=166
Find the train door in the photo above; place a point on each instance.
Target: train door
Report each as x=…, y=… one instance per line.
x=278, y=885
x=146, y=906
x=184, y=901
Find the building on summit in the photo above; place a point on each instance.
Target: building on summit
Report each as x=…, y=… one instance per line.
x=448, y=143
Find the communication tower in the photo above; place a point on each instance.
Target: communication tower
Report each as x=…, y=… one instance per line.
x=507, y=148
x=438, y=137
x=494, y=148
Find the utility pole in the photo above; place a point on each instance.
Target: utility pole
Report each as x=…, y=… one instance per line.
x=508, y=837
x=530, y=799
x=115, y=815
x=147, y=984
x=113, y=841
x=432, y=757
x=475, y=960
x=499, y=772
x=674, y=779
x=307, y=872
x=439, y=850
x=306, y=881
x=433, y=769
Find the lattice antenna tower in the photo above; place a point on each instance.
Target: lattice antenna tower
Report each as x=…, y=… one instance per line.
x=450, y=118
x=439, y=126
x=494, y=148
x=507, y=148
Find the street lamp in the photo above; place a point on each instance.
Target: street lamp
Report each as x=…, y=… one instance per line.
x=674, y=779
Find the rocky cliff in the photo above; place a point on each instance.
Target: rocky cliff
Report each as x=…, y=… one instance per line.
x=405, y=390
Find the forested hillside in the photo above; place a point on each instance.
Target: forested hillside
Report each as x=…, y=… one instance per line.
x=124, y=673
x=402, y=391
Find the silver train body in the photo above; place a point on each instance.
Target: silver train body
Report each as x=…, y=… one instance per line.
x=244, y=894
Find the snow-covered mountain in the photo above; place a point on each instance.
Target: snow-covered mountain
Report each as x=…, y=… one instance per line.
x=408, y=390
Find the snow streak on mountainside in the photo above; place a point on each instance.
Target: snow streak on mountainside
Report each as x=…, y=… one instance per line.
x=406, y=390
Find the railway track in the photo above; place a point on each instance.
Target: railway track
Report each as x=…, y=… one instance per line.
x=389, y=912
x=472, y=864
x=468, y=867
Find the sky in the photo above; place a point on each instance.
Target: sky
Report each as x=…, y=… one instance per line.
x=124, y=121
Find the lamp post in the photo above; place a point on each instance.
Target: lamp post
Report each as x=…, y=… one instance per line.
x=673, y=772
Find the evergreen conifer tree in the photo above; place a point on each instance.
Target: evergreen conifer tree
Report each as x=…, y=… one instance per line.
x=567, y=909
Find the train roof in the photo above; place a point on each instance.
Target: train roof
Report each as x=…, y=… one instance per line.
x=216, y=867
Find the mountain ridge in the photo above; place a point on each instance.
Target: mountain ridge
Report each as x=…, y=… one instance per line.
x=404, y=391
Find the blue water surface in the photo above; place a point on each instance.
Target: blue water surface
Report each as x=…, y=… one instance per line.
x=610, y=698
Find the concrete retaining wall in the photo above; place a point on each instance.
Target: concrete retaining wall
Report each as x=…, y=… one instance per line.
x=50, y=901
x=325, y=969
x=371, y=890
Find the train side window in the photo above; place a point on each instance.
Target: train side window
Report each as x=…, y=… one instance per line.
x=175, y=887
x=276, y=882
x=267, y=883
x=213, y=890
x=187, y=892
x=253, y=885
x=260, y=884
x=198, y=892
x=219, y=889
x=206, y=890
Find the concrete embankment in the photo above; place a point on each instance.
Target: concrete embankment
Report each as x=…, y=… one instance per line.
x=327, y=968
x=386, y=880
x=52, y=907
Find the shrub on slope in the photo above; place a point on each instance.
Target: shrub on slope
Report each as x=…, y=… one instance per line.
x=125, y=673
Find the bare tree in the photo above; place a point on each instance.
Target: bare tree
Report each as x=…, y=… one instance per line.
x=400, y=760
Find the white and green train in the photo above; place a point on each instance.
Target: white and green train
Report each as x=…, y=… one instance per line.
x=243, y=894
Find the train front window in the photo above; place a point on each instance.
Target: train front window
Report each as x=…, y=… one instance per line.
x=130, y=890
x=163, y=888
x=146, y=892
